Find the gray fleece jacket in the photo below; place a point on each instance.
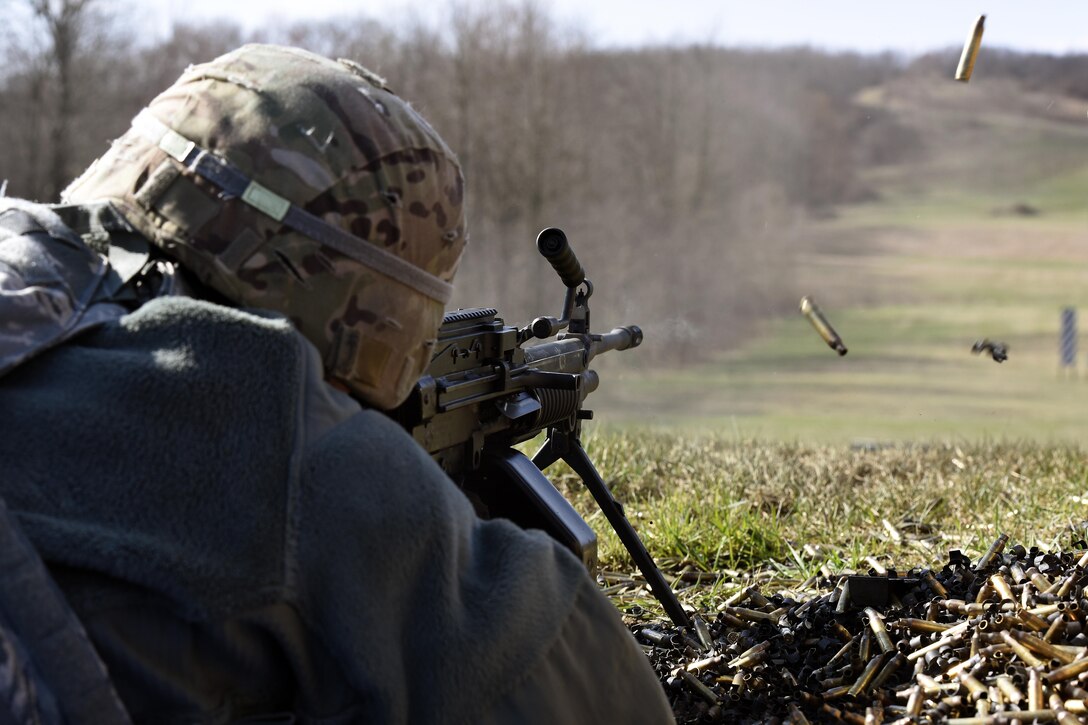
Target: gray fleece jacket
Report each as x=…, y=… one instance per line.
x=241, y=540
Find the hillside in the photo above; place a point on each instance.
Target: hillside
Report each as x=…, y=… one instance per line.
x=980, y=232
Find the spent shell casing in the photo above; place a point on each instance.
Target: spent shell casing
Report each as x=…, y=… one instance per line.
x=865, y=645
x=751, y=655
x=1035, y=690
x=1020, y=716
x=1021, y=651
x=661, y=639
x=952, y=640
x=935, y=585
x=888, y=670
x=964, y=666
x=915, y=701
x=1062, y=715
x=1066, y=584
x=1032, y=621
x=929, y=685
x=862, y=683
x=878, y=568
x=842, y=653
x=1044, y=610
x=844, y=598
x=788, y=678
x=748, y=661
x=796, y=716
x=838, y=715
x=827, y=332
x=1066, y=672
x=1009, y=690
x=876, y=623
x=732, y=621
x=1073, y=691
x=923, y=625
x=955, y=606
x=970, y=51
x=1041, y=582
x=736, y=598
x=690, y=643
x=1044, y=648
x=698, y=687
x=995, y=548
x=1001, y=585
x=976, y=688
x=840, y=631
x=753, y=615
x=756, y=597
x=699, y=665
x=703, y=632
x=835, y=692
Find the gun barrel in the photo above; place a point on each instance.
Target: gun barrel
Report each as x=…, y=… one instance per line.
x=620, y=338
x=561, y=356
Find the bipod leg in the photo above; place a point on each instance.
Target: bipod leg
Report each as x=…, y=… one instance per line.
x=553, y=449
x=577, y=459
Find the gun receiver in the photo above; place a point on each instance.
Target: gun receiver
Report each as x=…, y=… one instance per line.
x=487, y=390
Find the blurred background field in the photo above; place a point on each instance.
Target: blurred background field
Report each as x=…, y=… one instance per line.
x=982, y=236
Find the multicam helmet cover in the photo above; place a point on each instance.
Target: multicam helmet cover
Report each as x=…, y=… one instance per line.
x=294, y=183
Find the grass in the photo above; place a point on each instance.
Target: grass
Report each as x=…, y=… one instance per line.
x=745, y=510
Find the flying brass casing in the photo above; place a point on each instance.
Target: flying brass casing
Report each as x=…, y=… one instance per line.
x=970, y=51
x=827, y=332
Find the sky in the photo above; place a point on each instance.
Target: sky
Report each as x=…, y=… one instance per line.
x=870, y=26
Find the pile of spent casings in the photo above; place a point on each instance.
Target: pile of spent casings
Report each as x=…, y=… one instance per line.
x=999, y=640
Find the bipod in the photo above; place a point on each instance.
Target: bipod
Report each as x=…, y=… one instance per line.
x=565, y=446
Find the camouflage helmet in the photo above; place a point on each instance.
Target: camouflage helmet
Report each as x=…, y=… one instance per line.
x=291, y=182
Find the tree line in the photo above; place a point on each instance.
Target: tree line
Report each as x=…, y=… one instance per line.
x=683, y=176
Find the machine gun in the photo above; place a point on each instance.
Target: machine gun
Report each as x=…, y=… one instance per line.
x=487, y=390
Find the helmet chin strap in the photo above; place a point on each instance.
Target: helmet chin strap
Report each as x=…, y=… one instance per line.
x=233, y=182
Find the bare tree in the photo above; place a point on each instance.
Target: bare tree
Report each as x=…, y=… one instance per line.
x=66, y=26
x=681, y=174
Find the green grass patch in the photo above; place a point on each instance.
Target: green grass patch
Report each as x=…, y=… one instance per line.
x=746, y=510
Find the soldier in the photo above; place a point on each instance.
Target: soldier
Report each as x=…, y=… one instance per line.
x=255, y=266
